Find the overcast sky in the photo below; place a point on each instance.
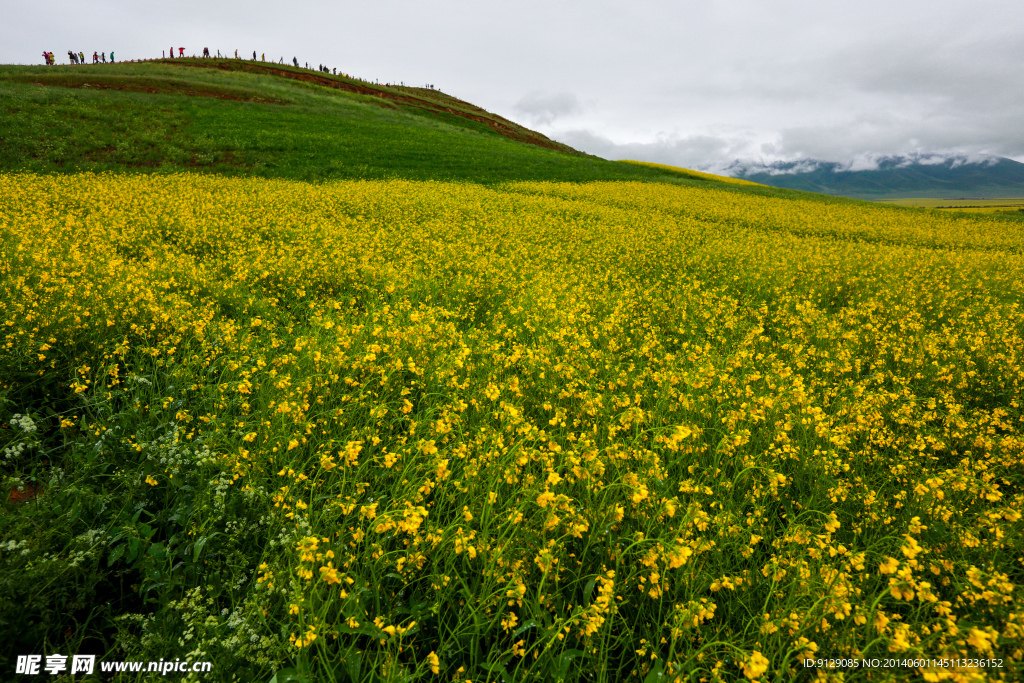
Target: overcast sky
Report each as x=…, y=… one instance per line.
x=695, y=84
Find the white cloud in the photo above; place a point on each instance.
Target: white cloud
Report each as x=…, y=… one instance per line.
x=699, y=152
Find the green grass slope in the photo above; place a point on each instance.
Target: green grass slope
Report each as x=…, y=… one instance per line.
x=243, y=118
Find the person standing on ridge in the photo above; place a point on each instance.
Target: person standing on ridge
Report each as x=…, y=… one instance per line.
x=81, y=58
x=111, y=56
x=181, y=52
x=172, y=52
x=206, y=52
x=254, y=55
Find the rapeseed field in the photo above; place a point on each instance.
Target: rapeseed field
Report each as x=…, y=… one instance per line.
x=396, y=430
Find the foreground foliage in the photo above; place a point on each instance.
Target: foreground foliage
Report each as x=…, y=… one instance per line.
x=389, y=430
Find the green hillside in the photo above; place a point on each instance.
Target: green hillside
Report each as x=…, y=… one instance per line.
x=244, y=118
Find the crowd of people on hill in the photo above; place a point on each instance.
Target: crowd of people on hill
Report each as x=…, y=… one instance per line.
x=262, y=58
x=78, y=58
x=101, y=58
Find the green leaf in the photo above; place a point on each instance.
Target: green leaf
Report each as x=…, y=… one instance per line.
x=288, y=676
x=657, y=673
x=496, y=667
x=157, y=551
x=565, y=661
x=197, y=549
x=526, y=625
x=364, y=630
x=353, y=663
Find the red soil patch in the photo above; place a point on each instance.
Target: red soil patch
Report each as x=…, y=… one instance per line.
x=22, y=497
x=152, y=87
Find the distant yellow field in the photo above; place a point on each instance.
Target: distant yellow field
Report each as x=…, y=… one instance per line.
x=695, y=174
x=996, y=205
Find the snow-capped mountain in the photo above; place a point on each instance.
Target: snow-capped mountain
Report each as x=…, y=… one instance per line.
x=881, y=177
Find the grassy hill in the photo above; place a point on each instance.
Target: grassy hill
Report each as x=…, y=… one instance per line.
x=248, y=118
x=452, y=412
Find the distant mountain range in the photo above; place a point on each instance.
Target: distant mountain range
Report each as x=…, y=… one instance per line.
x=891, y=177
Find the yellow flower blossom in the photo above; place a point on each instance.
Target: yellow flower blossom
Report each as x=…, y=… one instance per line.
x=755, y=665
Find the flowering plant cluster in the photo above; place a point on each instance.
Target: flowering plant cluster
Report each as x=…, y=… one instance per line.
x=413, y=429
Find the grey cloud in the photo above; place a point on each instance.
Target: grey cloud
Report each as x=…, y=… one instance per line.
x=699, y=152
x=982, y=132
x=859, y=144
x=965, y=71
x=541, y=109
